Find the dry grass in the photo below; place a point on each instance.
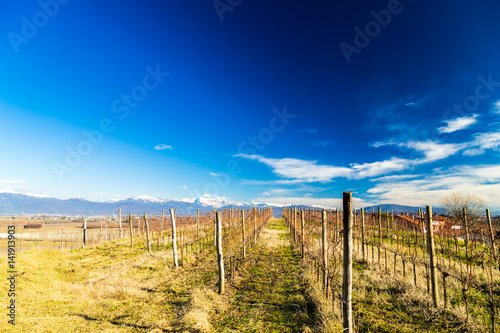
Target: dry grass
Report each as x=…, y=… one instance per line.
x=110, y=288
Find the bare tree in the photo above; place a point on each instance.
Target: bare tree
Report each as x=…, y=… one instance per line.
x=455, y=204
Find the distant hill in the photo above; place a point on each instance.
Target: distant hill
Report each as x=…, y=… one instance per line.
x=403, y=209
x=19, y=204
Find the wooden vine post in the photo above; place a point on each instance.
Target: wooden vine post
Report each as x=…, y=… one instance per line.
x=162, y=221
x=324, y=250
x=347, y=263
x=197, y=222
x=174, y=238
x=255, y=225
x=84, y=233
x=432, y=256
x=379, y=233
x=302, y=232
x=363, y=233
x=146, y=224
x=130, y=227
x=492, y=237
x=120, y=222
x=243, y=234
x=220, y=259
x=294, y=222
x=336, y=225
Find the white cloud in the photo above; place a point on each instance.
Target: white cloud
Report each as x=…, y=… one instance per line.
x=162, y=146
x=12, y=181
x=496, y=107
x=458, y=124
x=297, y=171
x=394, y=177
x=183, y=187
x=473, y=152
x=382, y=143
x=482, y=181
x=308, y=131
x=307, y=171
x=378, y=168
x=434, y=151
x=323, y=144
x=327, y=203
x=487, y=140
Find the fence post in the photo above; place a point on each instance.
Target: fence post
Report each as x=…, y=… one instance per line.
x=379, y=233
x=323, y=249
x=146, y=224
x=130, y=227
x=243, y=232
x=215, y=228
x=302, y=231
x=294, y=222
x=347, y=276
x=197, y=222
x=162, y=221
x=174, y=238
x=120, y=222
x=220, y=258
x=84, y=233
x=363, y=233
x=492, y=237
x=255, y=225
x=336, y=225
x=432, y=256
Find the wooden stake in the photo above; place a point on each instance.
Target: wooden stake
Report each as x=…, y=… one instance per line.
x=197, y=222
x=302, y=231
x=294, y=222
x=120, y=222
x=243, y=233
x=254, y=225
x=84, y=233
x=130, y=227
x=363, y=233
x=492, y=237
x=432, y=257
x=324, y=250
x=146, y=224
x=174, y=238
x=347, y=273
x=220, y=258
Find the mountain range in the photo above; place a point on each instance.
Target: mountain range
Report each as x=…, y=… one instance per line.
x=22, y=204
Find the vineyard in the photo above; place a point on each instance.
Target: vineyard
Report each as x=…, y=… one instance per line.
x=243, y=270
x=451, y=276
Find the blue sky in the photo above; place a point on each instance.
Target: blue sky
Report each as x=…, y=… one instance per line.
x=397, y=101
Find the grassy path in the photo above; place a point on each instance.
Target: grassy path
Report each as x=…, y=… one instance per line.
x=269, y=294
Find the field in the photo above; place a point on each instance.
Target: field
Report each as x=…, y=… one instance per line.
x=274, y=279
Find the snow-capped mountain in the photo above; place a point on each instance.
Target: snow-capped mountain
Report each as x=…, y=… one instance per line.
x=16, y=203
